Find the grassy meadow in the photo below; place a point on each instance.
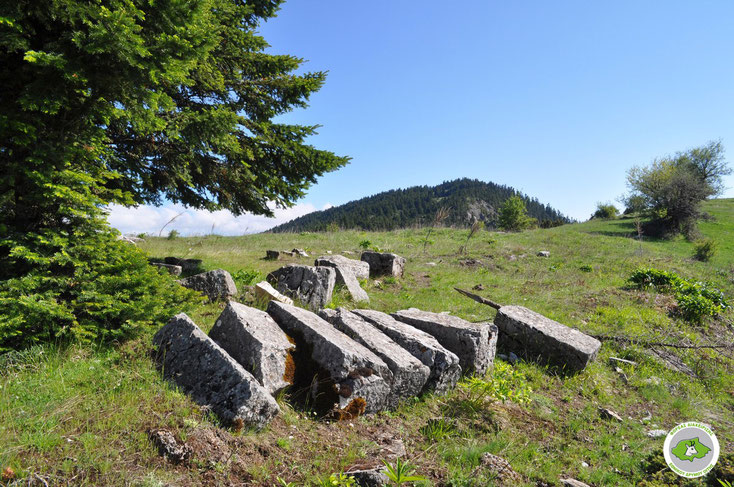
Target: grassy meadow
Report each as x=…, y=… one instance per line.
x=79, y=415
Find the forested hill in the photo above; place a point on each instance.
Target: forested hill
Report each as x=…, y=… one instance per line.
x=466, y=199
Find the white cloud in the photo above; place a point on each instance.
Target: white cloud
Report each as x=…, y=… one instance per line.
x=150, y=219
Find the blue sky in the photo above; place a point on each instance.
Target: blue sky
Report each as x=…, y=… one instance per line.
x=557, y=99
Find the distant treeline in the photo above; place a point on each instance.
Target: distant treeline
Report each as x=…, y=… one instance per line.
x=467, y=200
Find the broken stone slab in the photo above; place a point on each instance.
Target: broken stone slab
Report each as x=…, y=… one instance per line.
x=409, y=375
x=532, y=336
x=360, y=270
x=384, y=263
x=569, y=482
x=174, y=270
x=444, y=365
x=351, y=283
x=168, y=447
x=203, y=370
x=299, y=253
x=336, y=368
x=252, y=338
x=216, y=284
x=264, y=290
x=188, y=265
x=313, y=286
x=474, y=343
x=606, y=413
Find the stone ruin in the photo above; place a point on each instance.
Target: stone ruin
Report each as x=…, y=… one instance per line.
x=342, y=362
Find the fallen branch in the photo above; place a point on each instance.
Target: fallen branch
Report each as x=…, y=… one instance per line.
x=478, y=298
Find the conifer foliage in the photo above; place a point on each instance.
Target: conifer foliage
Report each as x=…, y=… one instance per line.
x=128, y=102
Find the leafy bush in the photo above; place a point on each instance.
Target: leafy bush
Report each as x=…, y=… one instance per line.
x=365, y=244
x=705, y=249
x=696, y=300
x=86, y=286
x=513, y=215
x=605, y=211
x=173, y=234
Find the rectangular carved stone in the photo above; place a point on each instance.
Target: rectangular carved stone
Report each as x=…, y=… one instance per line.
x=474, y=343
x=384, y=263
x=444, y=365
x=216, y=284
x=313, y=286
x=335, y=368
x=253, y=339
x=535, y=337
x=361, y=270
x=409, y=375
x=203, y=370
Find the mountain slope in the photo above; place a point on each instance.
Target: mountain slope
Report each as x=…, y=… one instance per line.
x=466, y=199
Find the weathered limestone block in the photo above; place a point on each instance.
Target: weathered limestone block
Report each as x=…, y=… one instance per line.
x=360, y=270
x=313, y=286
x=352, y=284
x=444, y=365
x=216, y=284
x=272, y=255
x=335, y=367
x=409, y=375
x=264, y=290
x=174, y=270
x=212, y=378
x=383, y=263
x=474, y=343
x=535, y=337
x=252, y=338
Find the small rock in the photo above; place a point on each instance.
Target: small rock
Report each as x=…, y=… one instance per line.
x=299, y=252
x=573, y=482
x=513, y=358
x=501, y=469
x=609, y=414
x=657, y=433
x=512, y=258
x=272, y=255
x=622, y=375
x=328, y=252
x=584, y=464
x=478, y=287
x=431, y=264
x=168, y=447
x=544, y=253
x=370, y=478
x=647, y=418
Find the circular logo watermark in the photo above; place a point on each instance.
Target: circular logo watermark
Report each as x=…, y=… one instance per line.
x=691, y=449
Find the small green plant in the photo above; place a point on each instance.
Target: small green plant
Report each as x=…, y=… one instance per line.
x=437, y=429
x=332, y=227
x=725, y=483
x=476, y=226
x=696, y=300
x=586, y=268
x=173, y=234
x=440, y=216
x=401, y=472
x=283, y=483
x=339, y=480
x=246, y=277
x=365, y=244
x=705, y=249
x=505, y=384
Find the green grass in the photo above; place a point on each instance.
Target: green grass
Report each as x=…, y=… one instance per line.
x=80, y=415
